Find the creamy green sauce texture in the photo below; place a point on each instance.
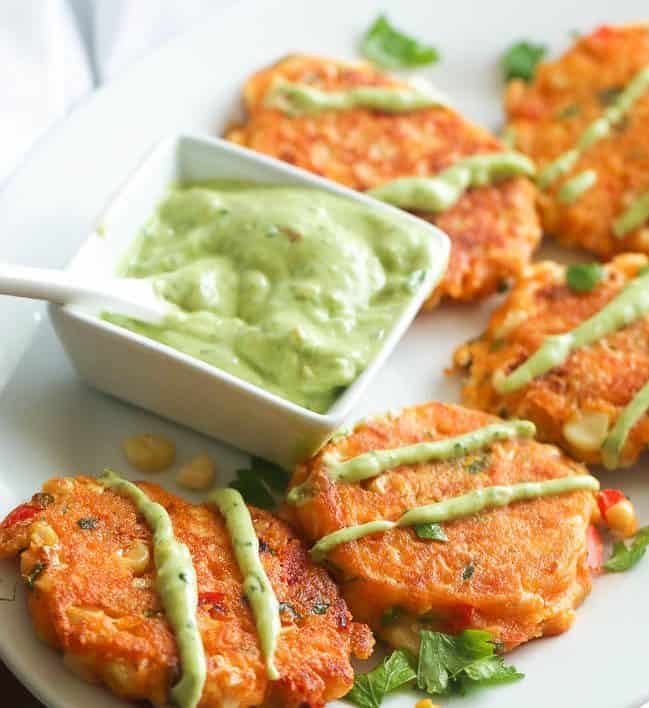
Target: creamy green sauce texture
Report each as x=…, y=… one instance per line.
x=576, y=186
x=635, y=215
x=616, y=438
x=256, y=586
x=627, y=307
x=291, y=289
x=373, y=463
x=597, y=130
x=296, y=99
x=442, y=191
x=458, y=507
x=176, y=584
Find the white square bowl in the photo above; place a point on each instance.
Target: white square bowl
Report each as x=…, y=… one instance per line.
x=156, y=377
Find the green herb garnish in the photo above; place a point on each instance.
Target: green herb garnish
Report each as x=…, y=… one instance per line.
x=252, y=489
x=454, y=664
x=431, y=532
x=477, y=462
x=288, y=609
x=520, y=60
x=274, y=476
x=42, y=499
x=34, y=574
x=608, y=95
x=320, y=608
x=583, y=277
x=393, y=672
x=625, y=557
x=391, y=615
x=569, y=111
x=468, y=572
x=390, y=48
x=88, y=523
x=259, y=483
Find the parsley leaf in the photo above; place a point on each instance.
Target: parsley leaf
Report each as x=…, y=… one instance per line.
x=252, y=489
x=387, y=47
x=583, y=277
x=392, y=673
x=625, y=557
x=454, y=664
x=274, y=476
x=520, y=60
x=432, y=532
x=258, y=484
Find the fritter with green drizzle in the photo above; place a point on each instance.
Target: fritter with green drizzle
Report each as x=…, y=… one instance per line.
x=493, y=228
x=518, y=571
x=87, y=562
x=578, y=403
x=584, y=119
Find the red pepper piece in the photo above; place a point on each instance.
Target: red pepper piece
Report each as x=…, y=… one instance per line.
x=20, y=513
x=608, y=498
x=595, y=550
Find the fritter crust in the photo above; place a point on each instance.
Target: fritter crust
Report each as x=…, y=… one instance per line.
x=549, y=114
x=518, y=571
x=106, y=616
x=493, y=229
x=599, y=379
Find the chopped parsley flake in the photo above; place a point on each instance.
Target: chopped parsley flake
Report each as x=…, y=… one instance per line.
x=583, y=277
x=625, y=557
x=468, y=572
x=430, y=532
x=388, y=47
x=520, y=60
x=88, y=523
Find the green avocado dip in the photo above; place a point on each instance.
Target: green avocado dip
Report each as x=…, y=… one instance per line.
x=291, y=289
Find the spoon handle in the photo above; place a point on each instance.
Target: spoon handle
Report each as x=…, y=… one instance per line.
x=40, y=284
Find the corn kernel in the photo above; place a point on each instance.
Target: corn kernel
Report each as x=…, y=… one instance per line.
x=621, y=519
x=198, y=474
x=149, y=453
x=137, y=557
x=42, y=534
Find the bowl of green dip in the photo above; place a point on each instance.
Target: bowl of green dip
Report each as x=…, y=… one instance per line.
x=286, y=292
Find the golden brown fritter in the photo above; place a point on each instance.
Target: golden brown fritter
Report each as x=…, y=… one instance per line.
x=574, y=404
x=87, y=563
x=548, y=116
x=493, y=229
x=518, y=571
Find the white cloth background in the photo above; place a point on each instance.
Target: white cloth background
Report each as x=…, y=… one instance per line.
x=55, y=52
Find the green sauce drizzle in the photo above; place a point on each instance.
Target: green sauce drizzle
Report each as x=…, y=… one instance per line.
x=576, y=186
x=616, y=438
x=373, y=463
x=256, y=586
x=631, y=304
x=176, y=584
x=297, y=99
x=597, y=130
x=458, y=507
x=635, y=215
x=441, y=192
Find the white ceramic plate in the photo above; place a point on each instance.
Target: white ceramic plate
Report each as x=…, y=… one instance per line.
x=51, y=424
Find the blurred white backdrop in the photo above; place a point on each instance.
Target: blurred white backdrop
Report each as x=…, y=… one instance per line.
x=53, y=53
